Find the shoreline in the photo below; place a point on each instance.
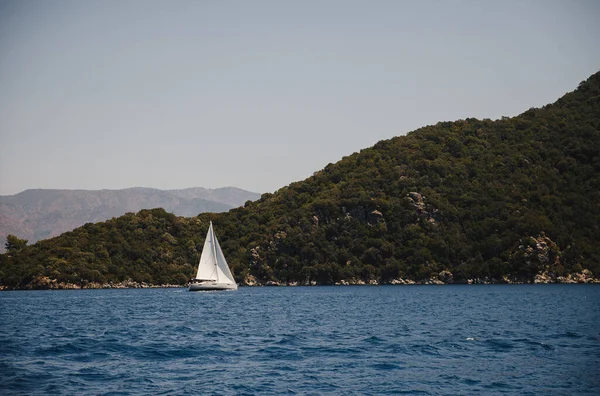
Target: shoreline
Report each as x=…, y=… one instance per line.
x=47, y=284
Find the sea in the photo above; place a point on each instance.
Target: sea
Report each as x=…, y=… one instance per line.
x=344, y=340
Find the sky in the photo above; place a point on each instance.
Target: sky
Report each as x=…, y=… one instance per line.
x=258, y=94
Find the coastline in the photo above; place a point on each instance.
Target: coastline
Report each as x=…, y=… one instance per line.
x=585, y=277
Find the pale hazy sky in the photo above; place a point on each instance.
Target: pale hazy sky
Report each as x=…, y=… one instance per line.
x=258, y=94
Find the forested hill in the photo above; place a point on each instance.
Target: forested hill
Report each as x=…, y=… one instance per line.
x=515, y=199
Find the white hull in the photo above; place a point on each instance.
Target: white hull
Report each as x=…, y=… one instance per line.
x=211, y=285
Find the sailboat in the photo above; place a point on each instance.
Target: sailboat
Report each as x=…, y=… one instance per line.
x=213, y=271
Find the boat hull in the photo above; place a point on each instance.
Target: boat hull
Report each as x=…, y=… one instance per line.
x=210, y=285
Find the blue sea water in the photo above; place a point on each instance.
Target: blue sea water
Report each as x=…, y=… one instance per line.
x=426, y=340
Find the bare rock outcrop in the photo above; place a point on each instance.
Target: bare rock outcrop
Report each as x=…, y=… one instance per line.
x=417, y=201
x=446, y=277
x=584, y=276
x=250, y=280
x=376, y=217
x=428, y=212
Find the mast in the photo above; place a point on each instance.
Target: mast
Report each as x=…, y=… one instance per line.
x=214, y=246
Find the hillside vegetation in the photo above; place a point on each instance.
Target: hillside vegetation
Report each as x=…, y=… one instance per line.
x=503, y=200
x=41, y=213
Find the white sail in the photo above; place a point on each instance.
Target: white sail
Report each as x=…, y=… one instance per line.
x=213, y=271
x=207, y=270
x=224, y=272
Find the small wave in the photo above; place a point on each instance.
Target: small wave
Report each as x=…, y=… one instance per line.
x=61, y=349
x=386, y=366
x=449, y=345
x=499, y=385
x=9, y=347
x=162, y=352
x=289, y=339
x=215, y=334
x=568, y=334
x=374, y=340
x=280, y=353
x=90, y=374
x=427, y=349
x=397, y=349
x=25, y=381
x=535, y=344
x=499, y=345
x=333, y=350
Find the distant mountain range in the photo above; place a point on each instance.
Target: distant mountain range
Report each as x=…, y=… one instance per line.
x=40, y=213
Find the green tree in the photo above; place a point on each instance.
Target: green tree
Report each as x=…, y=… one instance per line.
x=14, y=244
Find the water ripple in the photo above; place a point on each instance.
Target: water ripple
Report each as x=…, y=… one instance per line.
x=335, y=340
